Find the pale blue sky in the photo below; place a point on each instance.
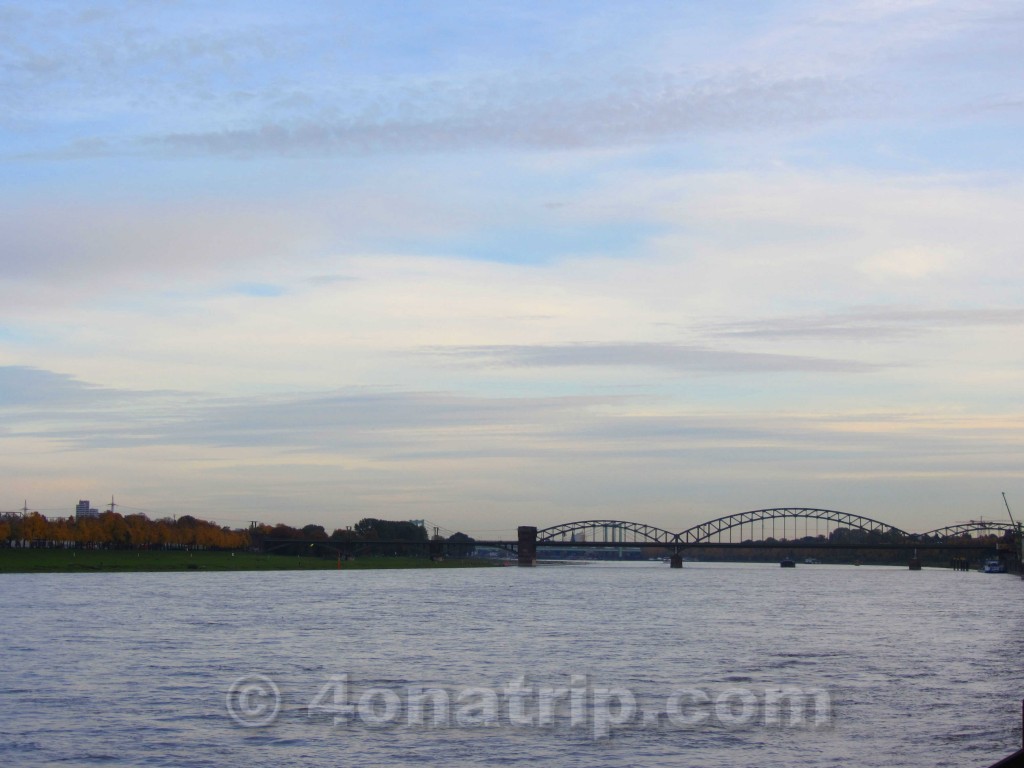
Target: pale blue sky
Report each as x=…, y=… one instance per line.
x=494, y=264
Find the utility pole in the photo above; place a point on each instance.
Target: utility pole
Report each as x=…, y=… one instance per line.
x=112, y=504
x=24, y=509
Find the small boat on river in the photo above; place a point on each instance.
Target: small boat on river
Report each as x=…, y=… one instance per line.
x=993, y=565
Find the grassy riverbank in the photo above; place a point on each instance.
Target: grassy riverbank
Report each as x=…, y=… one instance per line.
x=96, y=560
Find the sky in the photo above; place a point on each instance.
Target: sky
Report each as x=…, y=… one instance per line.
x=493, y=264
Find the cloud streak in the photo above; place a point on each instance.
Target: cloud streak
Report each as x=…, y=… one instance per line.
x=869, y=324
x=24, y=386
x=672, y=357
x=321, y=83
x=556, y=114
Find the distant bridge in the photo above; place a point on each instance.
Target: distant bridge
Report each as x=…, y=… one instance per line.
x=759, y=528
x=786, y=527
x=959, y=530
x=759, y=524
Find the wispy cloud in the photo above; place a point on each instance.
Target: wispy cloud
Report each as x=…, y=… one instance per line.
x=48, y=405
x=322, y=82
x=543, y=114
x=869, y=324
x=23, y=386
x=674, y=357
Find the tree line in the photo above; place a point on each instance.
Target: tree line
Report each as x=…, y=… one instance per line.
x=393, y=537
x=114, y=530
x=137, y=531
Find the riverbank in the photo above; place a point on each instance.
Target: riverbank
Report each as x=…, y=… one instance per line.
x=101, y=560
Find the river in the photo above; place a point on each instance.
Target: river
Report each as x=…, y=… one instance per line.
x=582, y=665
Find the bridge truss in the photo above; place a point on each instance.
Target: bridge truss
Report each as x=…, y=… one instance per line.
x=606, y=531
x=781, y=523
x=960, y=530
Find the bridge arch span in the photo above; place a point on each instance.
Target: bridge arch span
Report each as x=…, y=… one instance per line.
x=606, y=530
x=957, y=530
x=628, y=532
x=715, y=528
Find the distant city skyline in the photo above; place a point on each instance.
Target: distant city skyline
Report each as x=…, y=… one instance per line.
x=491, y=265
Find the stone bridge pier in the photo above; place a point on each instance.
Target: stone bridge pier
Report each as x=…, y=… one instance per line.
x=527, y=546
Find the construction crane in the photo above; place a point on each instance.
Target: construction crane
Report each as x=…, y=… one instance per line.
x=1020, y=538
x=1012, y=521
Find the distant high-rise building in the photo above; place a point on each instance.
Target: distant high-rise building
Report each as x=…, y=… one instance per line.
x=84, y=510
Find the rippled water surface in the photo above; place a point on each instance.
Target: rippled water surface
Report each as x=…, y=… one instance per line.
x=922, y=669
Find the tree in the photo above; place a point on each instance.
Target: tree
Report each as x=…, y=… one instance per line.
x=282, y=531
x=87, y=531
x=34, y=527
x=62, y=530
x=141, y=532
x=460, y=545
x=314, y=532
x=372, y=529
x=114, y=530
x=401, y=530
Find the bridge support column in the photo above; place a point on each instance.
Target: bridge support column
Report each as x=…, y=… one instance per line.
x=676, y=560
x=436, y=550
x=527, y=546
x=915, y=562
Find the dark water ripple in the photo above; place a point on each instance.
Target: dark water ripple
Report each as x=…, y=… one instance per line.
x=133, y=669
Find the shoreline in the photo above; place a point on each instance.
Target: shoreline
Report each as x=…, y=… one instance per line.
x=147, y=561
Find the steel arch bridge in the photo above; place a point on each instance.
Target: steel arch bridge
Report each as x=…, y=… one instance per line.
x=757, y=518
x=960, y=530
x=606, y=531
x=754, y=522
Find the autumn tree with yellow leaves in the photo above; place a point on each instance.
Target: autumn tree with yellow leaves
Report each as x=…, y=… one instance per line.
x=114, y=530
